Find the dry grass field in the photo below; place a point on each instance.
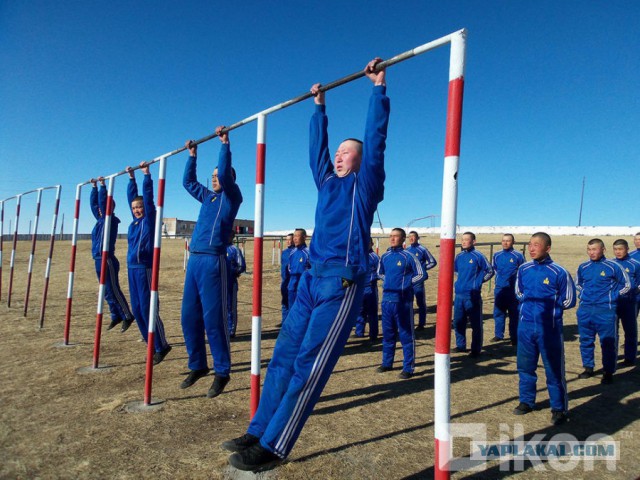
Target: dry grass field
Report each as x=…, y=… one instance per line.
x=57, y=421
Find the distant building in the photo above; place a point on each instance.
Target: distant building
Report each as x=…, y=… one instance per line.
x=174, y=227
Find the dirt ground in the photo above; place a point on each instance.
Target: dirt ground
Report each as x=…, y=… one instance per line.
x=58, y=420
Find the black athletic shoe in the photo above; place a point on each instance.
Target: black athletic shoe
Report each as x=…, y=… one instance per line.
x=522, y=409
x=558, y=417
x=629, y=363
x=126, y=323
x=382, y=369
x=607, y=378
x=159, y=356
x=255, y=459
x=419, y=328
x=114, y=323
x=193, y=377
x=497, y=339
x=241, y=443
x=474, y=354
x=588, y=373
x=217, y=387
x=405, y=375
x=460, y=350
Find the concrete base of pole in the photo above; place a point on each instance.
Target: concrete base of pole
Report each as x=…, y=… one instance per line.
x=139, y=406
x=65, y=345
x=100, y=369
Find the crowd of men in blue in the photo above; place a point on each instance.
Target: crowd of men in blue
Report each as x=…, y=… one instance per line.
x=331, y=287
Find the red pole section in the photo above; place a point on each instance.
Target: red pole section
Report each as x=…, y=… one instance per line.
x=1, y=241
x=72, y=267
x=442, y=383
x=13, y=250
x=34, y=237
x=103, y=271
x=256, y=319
x=47, y=271
x=155, y=275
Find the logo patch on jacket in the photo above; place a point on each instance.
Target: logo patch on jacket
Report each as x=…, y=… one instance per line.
x=546, y=281
x=471, y=261
x=626, y=269
x=399, y=263
x=511, y=260
x=602, y=274
x=214, y=199
x=300, y=260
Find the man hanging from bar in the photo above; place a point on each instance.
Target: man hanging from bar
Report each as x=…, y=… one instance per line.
x=330, y=294
x=204, y=301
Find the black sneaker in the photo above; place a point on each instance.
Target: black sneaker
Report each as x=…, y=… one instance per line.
x=607, y=378
x=588, y=373
x=382, y=369
x=497, y=339
x=558, y=417
x=241, y=443
x=474, y=354
x=126, y=323
x=159, y=356
x=419, y=328
x=193, y=377
x=629, y=363
x=114, y=323
x=522, y=409
x=460, y=350
x=405, y=375
x=255, y=459
x=217, y=387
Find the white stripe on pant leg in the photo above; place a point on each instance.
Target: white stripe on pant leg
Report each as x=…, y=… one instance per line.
x=116, y=291
x=317, y=369
x=159, y=330
x=222, y=259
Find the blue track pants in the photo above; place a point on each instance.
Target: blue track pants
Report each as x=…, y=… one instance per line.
x=599, y=321
x=140, y=293
x=397, y=324
x=468, y=307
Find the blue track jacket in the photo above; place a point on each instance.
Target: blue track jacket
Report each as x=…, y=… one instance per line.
x=635, y=254
x=218, y=210
x=372, y=275
x=632, y=267
x=237, y=264
x=98, y=203
x=141, y=230
x=544, y=290
x=284, y=263
x=424, y=256
x=399, y=271
x=347, y=204
x=601, y=282
x=505, y=264
x=297, y=265
x=473, y=270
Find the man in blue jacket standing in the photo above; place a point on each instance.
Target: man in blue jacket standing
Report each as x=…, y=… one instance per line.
x=636, y=242
x=473, y=270
x=400, y=271
x=544, y=290
x=369, y=310
x=236, y=266
x=284, y=275
x=204, y=302
x=505, y=264
x=626, y=309
x=140, y=259
x=330, y=294
x=600, y=283
x=118, y=306
x=427, y=261
x=298, y=263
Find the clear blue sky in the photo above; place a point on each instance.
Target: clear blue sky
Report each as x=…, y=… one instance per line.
x=551, y=95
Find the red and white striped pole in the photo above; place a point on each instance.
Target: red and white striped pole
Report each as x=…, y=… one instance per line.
x=72, y=267
x=34, y=237
x=273, y=253
x=13, y=250
x=256, y=319
x=103, y=271
x=155, y=275
x=443, y=446
x=184, y=258
x=378, y=246
x=47, y=271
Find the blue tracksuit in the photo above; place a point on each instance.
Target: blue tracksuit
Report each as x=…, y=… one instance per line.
x=140, y=262
x=427, y=261
x=473, y=270
x=297, y=265
x=369, y=310
x=600, y=283
x=544, y=290
x=284, y=283
x=399, y=271
x=635, y=254
x=627, y=308
x=505, y=264
x=204, y=301
x=236, y=266
x=116, y=300
x=330, y=294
